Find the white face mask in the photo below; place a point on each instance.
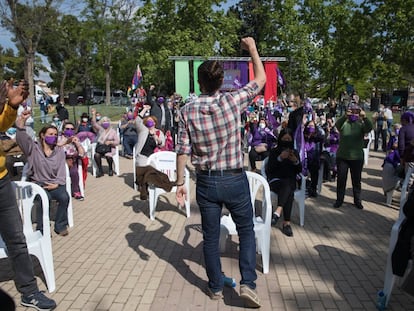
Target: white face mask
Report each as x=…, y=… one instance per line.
x=84, y=119
x=262, y=125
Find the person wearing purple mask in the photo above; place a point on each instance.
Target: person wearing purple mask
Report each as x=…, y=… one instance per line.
x=150, y=139
x=129, y=134
x=107, y=136
x=46, y=168
x=352, y=127
x=313, y=140
x=74, y=151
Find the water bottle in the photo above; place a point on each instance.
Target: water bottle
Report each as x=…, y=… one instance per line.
x=229, y=282
x=381, y=300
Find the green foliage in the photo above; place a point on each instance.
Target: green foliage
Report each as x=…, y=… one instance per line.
x=328, y=44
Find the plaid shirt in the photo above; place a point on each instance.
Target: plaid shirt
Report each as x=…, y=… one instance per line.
x=209, y=129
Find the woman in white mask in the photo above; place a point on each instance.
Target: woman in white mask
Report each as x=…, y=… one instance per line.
x=261, y=140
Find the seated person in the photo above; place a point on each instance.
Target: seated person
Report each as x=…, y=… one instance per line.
x=14, y=154
x=261, y=140
x=47, y=169
x=150, y=139
x=106, y=136
x=85, y=129
x=392, y=170
x=129, y=134
x=74, y=151
x=281, y=171
x=56, y=122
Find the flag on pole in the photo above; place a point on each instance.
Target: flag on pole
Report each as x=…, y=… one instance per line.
x=280, y=79
x=136, y=79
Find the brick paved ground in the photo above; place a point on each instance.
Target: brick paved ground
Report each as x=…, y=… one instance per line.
x=115, y=258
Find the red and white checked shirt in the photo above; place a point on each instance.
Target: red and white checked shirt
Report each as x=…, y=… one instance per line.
x=209, y=129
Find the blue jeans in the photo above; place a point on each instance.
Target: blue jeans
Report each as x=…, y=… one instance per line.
x=62, y=197
x=129, y=142
x=11, y=230
x=232, y=191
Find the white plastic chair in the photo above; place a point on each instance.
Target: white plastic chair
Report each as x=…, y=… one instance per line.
x=165, y=161
x=69, y=191
x=368, y=148
x=299, y=196
x=38, y=244
x=68, y=188
x=115, y=159
x=134, y=163
x=262, y=223
x=389, y=278
x=386, y=171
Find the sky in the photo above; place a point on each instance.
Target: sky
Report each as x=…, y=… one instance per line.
x=69, y=6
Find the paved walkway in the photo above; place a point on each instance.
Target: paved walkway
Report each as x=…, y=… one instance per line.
x=115, y=258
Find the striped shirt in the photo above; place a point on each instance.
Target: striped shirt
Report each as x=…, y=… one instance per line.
x=209, y=129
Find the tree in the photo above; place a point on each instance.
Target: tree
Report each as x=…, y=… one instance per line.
x=11, y=65
x=68, y=52
x=27, y=23
x=109, y=24
x=179, y=28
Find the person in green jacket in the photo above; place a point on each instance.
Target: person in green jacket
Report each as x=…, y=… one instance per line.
x=352, y=127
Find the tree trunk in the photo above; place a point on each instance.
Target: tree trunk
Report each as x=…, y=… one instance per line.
x=29, y=75
x=108, y=85
x=62, y=87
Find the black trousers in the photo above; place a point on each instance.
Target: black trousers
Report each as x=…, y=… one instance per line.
x=285, y=189
x=11, y=230
x=383, y=134
x=355, y=167
x=255, y=156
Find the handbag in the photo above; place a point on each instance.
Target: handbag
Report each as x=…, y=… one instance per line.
x=102, y=148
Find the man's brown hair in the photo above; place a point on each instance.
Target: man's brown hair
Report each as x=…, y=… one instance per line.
x=210, y=76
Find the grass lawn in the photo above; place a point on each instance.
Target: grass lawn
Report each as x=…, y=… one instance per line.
x=113, y=112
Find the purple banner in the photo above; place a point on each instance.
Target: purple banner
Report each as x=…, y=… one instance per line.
x=235, y=75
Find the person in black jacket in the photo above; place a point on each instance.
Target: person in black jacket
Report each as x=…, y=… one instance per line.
x=160, y=110
x=281, y=171
x=62, y=112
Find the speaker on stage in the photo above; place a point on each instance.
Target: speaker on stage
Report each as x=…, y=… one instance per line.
x=73, y=99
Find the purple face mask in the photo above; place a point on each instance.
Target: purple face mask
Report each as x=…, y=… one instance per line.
x=69, y=133
x=353, y=118
x=105, y=125
x=311, y=130
x=130, y=117
x=150, y=123
x=51, y=140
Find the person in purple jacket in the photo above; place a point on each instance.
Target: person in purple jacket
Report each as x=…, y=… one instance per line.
x=47, y=169
x=261, y=141
x=405, y=137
